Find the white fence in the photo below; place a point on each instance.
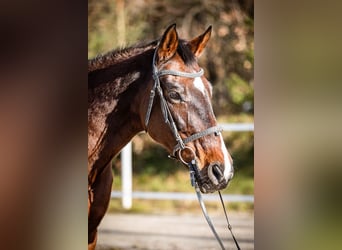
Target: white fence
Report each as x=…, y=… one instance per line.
x=127, y=193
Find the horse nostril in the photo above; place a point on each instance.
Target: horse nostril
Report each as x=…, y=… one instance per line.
x=215, y=173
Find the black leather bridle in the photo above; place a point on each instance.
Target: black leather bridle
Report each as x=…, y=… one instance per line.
x=181, y=143
x=168, y=118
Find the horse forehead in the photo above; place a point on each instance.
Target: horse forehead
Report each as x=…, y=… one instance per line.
x=178, y=65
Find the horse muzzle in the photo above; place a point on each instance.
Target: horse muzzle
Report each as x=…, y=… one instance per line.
x=214, y=178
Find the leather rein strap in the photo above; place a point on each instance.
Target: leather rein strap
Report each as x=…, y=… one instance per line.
x=193, y=176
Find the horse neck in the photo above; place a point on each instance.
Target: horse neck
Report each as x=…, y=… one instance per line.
x=115, y=95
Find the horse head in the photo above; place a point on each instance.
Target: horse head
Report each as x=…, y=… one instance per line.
x=181, y=118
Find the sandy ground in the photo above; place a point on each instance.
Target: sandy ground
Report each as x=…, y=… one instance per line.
x=176, y=232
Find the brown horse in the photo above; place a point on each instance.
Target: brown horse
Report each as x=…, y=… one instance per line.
x=158, y=88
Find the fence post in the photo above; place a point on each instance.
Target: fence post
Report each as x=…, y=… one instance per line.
x=126, y=176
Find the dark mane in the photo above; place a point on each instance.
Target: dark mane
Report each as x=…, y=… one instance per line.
x=104, y=60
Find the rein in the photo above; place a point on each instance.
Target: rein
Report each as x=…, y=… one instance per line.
x=193, y=178
x=181, y=143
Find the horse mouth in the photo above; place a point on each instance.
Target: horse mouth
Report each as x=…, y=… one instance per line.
x=212, y=179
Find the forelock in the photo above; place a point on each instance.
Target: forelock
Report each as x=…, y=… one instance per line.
x=185, y=53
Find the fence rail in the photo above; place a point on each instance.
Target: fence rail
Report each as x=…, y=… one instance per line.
x=183, y=196
x=127, y=193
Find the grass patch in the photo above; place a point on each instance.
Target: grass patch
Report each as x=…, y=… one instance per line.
x=242, y=183
x=179, y=181
x=178, y=207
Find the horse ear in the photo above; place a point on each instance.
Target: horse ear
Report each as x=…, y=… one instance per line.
x=198, y=44
x=168, y=44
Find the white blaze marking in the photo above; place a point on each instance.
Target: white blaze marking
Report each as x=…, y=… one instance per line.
x=228, y=168
x=199, y=84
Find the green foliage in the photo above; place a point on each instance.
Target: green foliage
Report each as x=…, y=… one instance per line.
x=239, y=90
x=241, y=147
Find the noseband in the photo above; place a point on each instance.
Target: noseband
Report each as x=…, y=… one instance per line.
x=168, y=118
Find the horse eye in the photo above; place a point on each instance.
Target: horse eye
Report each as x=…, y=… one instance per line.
x=175, y=96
